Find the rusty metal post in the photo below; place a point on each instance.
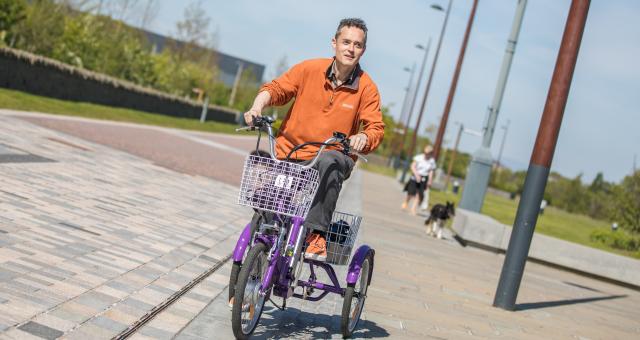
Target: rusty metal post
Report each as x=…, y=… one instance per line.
x=541, y=157
x=454, y=84
x=414, y=140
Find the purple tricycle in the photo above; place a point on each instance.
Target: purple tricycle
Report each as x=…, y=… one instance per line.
x=270, y=260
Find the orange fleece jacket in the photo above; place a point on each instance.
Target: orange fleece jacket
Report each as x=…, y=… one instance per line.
x=319, y=109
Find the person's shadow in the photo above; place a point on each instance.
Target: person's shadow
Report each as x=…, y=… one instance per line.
x=298, y=324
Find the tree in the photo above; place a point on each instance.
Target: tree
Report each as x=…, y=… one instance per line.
x=41, y=28
x=11, y=13
x=91, y=34
x=119, y=9
x=192, y=34
x=151, y=9
x=389, y=123
x=599, y=184
x=193, y=63
x=627, y=198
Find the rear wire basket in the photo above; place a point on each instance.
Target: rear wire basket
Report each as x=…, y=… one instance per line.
x=277, y=186
x=341, y=237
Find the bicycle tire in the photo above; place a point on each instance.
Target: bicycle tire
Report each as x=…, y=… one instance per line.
x=349, y=321
x=233, y=279
x=246, y=271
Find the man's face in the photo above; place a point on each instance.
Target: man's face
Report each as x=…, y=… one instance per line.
x=349, y=46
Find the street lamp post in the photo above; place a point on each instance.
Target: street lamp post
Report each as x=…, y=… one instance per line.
x=504, y=137
x=453, y=157
x=426, y=91
x=409, y=90
x=480, y=167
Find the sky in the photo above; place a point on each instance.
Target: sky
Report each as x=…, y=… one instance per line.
x=601, y=127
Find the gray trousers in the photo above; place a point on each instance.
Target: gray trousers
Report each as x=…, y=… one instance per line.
x=334, y=168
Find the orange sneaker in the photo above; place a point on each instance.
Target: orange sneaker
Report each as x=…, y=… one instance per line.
x=316, y=247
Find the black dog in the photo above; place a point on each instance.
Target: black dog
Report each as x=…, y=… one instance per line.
x=439, y=215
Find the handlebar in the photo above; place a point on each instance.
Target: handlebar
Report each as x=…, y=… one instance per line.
x=338, y=138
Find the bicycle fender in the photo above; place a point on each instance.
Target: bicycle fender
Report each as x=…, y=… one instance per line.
x=356, y=263
x=242, y=244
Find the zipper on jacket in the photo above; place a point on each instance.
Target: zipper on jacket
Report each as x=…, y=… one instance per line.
x=331, y=98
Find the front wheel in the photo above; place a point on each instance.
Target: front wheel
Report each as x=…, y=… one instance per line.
x=248, y=302
x=354, y=298
x=233, y=279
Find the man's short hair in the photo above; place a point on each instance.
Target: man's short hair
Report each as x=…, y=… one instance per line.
x=353, y=22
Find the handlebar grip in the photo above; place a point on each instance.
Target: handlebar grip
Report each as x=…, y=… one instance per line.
x=246, y=128
x=262, y=120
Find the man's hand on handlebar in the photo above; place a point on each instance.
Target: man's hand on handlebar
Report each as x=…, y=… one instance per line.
x=358, y=142
x=248, y=116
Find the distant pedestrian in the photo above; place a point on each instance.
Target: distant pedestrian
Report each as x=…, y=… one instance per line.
x=456, y=187
x=543, y=204
x=422, y=169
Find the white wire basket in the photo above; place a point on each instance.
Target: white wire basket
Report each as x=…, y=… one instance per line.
x=276, y=186
x=341, y=237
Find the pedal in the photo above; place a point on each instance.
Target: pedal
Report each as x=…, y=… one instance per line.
x=306, y=292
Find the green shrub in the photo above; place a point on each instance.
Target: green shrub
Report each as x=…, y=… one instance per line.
x=616, y=239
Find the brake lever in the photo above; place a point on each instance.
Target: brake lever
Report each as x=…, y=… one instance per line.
x=246, y=128
x=257, y=123
x=360, y=156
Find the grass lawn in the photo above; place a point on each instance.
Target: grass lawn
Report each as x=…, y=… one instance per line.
x=17, y=100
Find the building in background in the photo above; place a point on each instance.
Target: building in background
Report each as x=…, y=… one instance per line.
x=227, y=64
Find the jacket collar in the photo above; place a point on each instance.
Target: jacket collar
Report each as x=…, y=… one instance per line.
x=354, y=78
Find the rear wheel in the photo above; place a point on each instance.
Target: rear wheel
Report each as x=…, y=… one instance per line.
x=248, y=302
x=354, y=298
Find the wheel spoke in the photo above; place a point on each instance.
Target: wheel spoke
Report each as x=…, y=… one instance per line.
x=253, y=302
x=359, y=295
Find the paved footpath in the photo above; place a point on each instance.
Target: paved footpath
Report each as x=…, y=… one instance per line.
x=91, y=238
